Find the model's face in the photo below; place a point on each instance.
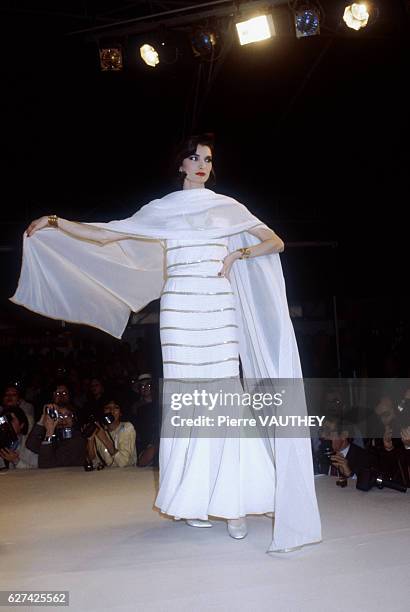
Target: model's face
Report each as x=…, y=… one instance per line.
x=198, y=166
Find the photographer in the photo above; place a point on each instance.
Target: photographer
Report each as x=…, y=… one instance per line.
x=15, y=454
x=55, y=439
x=337, y=454
x=12, y=398
x=146, y=422
x=114, y=442
x=393, y=450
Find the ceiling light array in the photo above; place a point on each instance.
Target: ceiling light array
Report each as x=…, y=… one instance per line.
x=254, y=29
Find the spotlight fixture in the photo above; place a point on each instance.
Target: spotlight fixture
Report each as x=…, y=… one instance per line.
x=356, y=15
x=111, y=59
x=255, y=29
x=203, y=42
x=150, y=55
x=307, y=20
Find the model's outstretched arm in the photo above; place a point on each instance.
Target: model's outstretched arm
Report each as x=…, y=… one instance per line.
x=79, y=230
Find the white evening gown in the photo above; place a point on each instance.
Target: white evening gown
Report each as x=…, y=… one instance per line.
x=227, y=476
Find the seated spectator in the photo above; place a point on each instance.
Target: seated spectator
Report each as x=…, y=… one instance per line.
x=146, y=422
x=56, y=440
x=19, y=456
x=398, y=468
x=113, y=443
x=337, y=454
x=393, y=449
x=387, y=421
x=12, y=398
x=335, y=405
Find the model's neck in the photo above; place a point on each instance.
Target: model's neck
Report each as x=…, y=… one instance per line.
x=191, y=185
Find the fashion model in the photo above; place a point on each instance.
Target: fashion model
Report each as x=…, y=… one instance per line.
x=216, y=268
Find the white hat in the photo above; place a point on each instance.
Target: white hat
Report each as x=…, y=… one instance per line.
x=144, y=377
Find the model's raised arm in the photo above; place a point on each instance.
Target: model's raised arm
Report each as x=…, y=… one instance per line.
x=78, y=230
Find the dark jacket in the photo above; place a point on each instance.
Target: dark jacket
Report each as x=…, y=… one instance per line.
x=359, y=458
x=395, y=464
x=61, y=453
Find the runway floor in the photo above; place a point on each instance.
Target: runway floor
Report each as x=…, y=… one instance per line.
x=97, y=535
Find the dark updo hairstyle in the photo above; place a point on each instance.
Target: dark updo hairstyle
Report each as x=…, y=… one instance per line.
x=186, y=148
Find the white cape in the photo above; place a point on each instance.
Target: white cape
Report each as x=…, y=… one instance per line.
x=81, y=281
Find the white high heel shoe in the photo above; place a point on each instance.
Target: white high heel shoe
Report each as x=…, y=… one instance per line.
x=198, y=523
x=237, y=528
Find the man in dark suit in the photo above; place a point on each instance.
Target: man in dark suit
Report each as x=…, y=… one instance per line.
x=344, y=457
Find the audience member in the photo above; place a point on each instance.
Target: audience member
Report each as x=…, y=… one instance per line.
x=93, y=408
x=337, y=454
x=114, y=442
x=12, y=398
x=56, y=440
x=146, y=422
x=18, y=456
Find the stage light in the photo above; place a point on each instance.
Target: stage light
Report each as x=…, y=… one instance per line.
x=150, y=55
x=356, y=15
x=307, y=21
x=255, y=29
x=203, y=42
x=111, y=59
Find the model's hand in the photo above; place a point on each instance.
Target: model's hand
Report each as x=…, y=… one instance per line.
x=38, y=224
x=227, y=264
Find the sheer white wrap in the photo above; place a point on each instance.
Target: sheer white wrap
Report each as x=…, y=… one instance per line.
x=80, y=281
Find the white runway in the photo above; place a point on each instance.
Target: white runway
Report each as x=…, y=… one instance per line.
x=96, y=534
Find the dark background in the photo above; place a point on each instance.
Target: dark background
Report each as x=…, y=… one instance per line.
x=311, y=136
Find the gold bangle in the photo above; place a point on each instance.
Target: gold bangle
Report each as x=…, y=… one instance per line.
x=245, y=252
x=53, y=220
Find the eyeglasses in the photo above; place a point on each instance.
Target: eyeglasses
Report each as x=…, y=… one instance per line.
x=65, y=416
x=61, y=393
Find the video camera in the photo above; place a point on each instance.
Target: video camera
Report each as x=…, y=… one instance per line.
x=8, y=437
x=89, y=428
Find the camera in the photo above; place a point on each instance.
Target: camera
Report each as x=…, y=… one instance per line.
x=64, y=433
x=404, y=406
x=8, y=437
x=89, y=428
x=52, y=412
x=370, y=477
x=326, y=448
x=322, y=457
